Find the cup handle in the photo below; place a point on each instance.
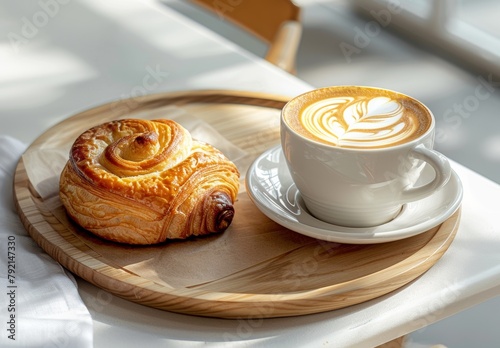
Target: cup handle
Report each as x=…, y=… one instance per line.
x=442, y=170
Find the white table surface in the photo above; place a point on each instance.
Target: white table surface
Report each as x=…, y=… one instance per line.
x=91, y=52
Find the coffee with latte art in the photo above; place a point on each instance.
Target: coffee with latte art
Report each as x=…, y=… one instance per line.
x=357, y=117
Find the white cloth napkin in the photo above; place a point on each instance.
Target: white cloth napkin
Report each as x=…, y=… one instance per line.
x=39, y=303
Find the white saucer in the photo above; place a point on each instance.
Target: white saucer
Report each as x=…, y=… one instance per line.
x=271, y=188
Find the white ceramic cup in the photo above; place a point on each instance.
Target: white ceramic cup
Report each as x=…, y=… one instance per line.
x=359, y=186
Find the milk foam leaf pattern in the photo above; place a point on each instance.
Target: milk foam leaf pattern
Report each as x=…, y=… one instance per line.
x=359, y=122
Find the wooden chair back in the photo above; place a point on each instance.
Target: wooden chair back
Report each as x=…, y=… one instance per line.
x=275, y=22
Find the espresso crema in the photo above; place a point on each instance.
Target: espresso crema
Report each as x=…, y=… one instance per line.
x=357, y=117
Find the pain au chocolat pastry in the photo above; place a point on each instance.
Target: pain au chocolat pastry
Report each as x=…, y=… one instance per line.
x=143, y=182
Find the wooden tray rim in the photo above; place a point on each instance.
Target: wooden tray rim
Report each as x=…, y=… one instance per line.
x=81, y=258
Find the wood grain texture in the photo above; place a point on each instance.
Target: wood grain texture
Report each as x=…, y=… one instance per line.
x=309, y=276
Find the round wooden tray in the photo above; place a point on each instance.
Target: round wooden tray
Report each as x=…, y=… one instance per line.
x=256, y=268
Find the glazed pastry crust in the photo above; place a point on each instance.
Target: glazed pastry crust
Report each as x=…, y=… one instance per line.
x=143, y=182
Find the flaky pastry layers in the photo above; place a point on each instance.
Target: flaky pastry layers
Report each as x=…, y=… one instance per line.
x=143, y=182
